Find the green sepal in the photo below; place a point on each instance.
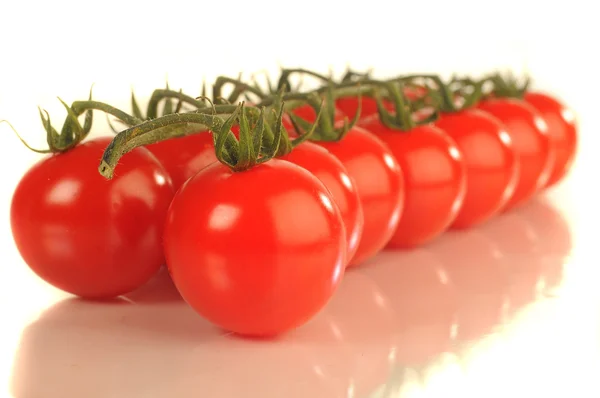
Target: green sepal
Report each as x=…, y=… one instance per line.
x=225, y=151
x=247, y=155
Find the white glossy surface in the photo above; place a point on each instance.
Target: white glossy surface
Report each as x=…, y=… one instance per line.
x=508, y=309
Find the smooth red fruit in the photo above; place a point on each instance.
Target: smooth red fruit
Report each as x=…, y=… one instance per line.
x=435, y=181
x=86, y=235
x=531, y=142
x=332, y=173
x=562, y=130
x=257, y=252
x=380, y=186
x=492, y=165
x=184, y=156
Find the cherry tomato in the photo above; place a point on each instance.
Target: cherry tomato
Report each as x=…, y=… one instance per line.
x=380, y=186
x=184, y=156
x=562, y=130
x=435, y=180
x=332, y=173
x=86, y=235
x=492, y=166
x=257, y=252
x=531, y=142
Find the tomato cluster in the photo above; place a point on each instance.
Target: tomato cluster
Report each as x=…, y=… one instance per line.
x=258, y=210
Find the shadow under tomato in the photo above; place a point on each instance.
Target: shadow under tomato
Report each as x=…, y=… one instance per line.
x=159, y=289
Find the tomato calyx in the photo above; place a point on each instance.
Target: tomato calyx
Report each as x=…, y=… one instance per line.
x=508, y=85
x=72, y=131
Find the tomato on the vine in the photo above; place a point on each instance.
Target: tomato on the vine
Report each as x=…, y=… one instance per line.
x=562, y=131
x=379, y=183
x=492, y=165
x=88, y=236
x=256, y=252
x=434, y=176
x=531, y=142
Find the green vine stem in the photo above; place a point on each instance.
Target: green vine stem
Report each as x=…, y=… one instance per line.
x=153, y=131
x=166, y=94
x=237, y=155
x=80, y=107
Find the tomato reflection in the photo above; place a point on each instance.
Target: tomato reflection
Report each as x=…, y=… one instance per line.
x=471, y=262
x=533, y=243
x=423, y=300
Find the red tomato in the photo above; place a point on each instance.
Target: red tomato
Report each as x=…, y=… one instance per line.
x=185, y=156
x=332, y=173
x=380, y=186
x=562, y=130
x=531, y=142
x=492, y=166
x=435, y=180
x=86, y=235
x=257, y=252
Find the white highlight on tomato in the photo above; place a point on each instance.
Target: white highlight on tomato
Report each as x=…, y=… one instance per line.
x=223, y=216
x=65, y=192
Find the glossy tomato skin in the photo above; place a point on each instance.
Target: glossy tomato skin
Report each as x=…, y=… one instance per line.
x=531, y=142
x=185, y=156
x=257, y=252
x=562, y=129
x=86, y=235
x=332, y=173
x=380, y=187
x=435, y=181
x=492, y=165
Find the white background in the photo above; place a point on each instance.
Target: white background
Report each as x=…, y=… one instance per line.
x=59, y=48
